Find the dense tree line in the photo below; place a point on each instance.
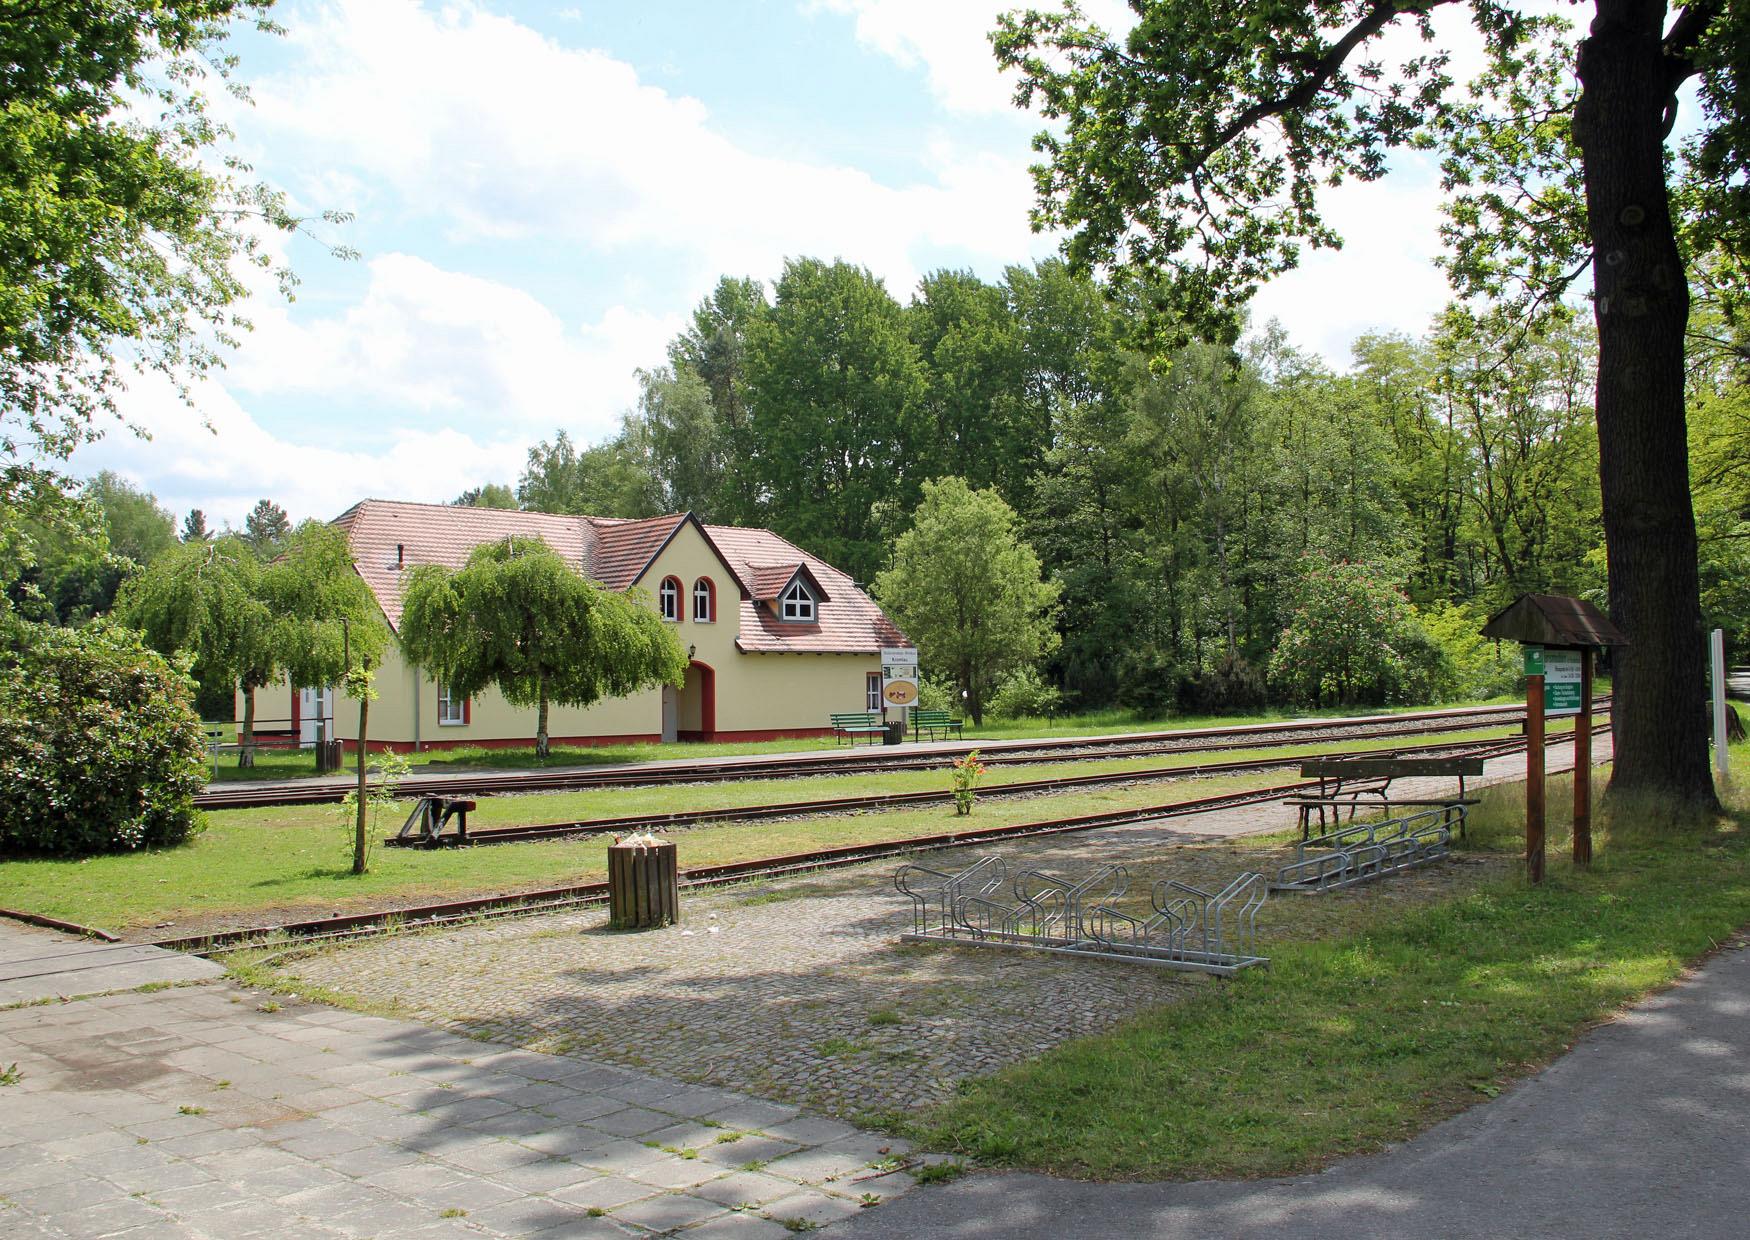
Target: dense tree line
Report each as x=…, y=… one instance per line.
x=1179, y=499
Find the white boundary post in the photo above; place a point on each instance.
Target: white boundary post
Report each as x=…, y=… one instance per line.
x=1717, y=649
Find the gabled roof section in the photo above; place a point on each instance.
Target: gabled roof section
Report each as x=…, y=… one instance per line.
x=1554, y=620
x=768, y=582
x=625, y=549
x=389, y=537
x=850, y=624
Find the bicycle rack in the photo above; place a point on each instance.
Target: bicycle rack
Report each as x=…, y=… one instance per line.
x=1188, y=928
x=1369, y=850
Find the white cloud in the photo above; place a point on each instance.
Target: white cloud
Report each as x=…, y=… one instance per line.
x=501, y=134
x=225, y=469
x=1382, y=279
x=431, y=341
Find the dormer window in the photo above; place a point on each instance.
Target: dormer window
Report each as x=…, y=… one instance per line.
x=668, y=599
x=796, y=604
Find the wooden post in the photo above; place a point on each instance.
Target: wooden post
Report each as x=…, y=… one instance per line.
x=1534, y=798
x=643, y=886
x=1583, y=765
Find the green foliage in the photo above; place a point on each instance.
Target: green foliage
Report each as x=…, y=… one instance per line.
x=194, y=526
x=1024, y=694
x=608, y=480
x=968, y=591
x=836, y=388
x=266, y=527
x=207, y=600
x=492, y=495
x=327, y=622
x=100, y=748
x=1470, y=667
x=1353, y=640
x=78, y=557
x=380, y=797
x=520, y=618
x=125, y=235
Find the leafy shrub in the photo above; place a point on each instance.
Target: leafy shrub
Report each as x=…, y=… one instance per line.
x=1023, y=694
x=1353, y=639
x=1232, y=684
x=1479, y=668
x=935, y=694
x=1149, y=681
x=100, y=748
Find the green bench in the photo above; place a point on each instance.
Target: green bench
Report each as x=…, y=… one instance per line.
x=938, y=723
x=862, y=723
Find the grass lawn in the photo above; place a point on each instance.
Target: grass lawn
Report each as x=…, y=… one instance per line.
x=252, y=865
x=295, y=764
x=1348, y=1044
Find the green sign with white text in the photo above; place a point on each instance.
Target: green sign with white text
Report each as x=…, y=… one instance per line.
x=1560, y=670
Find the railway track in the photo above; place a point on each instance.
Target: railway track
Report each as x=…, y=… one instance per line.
x=896, y=800
x=875, y=759
x=364, y=925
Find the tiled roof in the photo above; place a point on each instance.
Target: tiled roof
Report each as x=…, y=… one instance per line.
x=624, y=549
x=850, y=624
x=616, y=553
x=445, y=534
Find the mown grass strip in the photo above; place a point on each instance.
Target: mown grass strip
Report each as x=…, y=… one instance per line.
x=1346, y=1045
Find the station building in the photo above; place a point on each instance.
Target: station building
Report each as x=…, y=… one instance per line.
x=777, y=640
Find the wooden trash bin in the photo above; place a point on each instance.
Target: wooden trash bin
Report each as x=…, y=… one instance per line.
x=644, y=887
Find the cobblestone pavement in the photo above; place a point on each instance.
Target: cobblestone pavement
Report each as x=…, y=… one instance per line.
x=211, y=1111
x=798, y=990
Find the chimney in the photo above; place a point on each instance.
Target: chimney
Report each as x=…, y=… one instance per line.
x=400, y=555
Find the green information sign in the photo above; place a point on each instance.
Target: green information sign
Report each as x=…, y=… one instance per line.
x=1561, y=682
x=1560, y=670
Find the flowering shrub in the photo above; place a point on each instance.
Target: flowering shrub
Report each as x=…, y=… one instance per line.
x=1354, y=640
x=966, y=774
x=1024, y=694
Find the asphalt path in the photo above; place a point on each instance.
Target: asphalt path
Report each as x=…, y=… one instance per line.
x=1643, y=1129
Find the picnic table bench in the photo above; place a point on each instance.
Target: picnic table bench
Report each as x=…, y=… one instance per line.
x=859, y=723
x=938, y=723
x=1343, y=782
x=429, y=817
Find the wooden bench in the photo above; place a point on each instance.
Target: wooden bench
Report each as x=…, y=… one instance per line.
x=938, y=723
x=431, y=814
x=861, y=723
x=1343, y=782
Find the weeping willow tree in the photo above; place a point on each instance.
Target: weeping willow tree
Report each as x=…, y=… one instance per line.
x=519, y=618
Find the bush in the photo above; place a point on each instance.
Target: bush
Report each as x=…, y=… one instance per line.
x=934, y=694
x=1479, y=668
x=1025, y=694
x=1353, y=640
x=1233, y=684
x=100, y=748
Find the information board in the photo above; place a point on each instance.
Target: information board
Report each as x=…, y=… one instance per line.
x=1560, y=670
x=1561, y=682
x=899, y=676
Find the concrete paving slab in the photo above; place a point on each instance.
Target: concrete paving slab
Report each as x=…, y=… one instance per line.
x=40, y=964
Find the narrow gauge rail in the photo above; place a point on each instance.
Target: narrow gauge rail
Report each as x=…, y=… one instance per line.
x=431, y=916
x=873, y=759
x=1485, y=748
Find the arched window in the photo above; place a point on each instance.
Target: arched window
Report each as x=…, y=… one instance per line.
x=797, y=604
x=704, y=601
x=668, y=599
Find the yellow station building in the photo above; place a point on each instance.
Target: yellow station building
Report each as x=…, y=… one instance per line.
x=777, y=640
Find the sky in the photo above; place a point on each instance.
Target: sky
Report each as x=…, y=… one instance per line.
x=541, y=195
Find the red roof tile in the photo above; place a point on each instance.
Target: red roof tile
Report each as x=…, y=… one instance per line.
x=624, y=549
x=850, y=624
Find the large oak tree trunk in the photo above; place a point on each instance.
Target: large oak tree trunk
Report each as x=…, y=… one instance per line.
x=1642, y=306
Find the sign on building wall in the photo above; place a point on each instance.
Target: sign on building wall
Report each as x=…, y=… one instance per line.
x=899, y=676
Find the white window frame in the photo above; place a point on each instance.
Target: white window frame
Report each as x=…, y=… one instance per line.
x=668, y=600
x=452, y=710
x=872, y=691
x=797, y=604
x=704, y=601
